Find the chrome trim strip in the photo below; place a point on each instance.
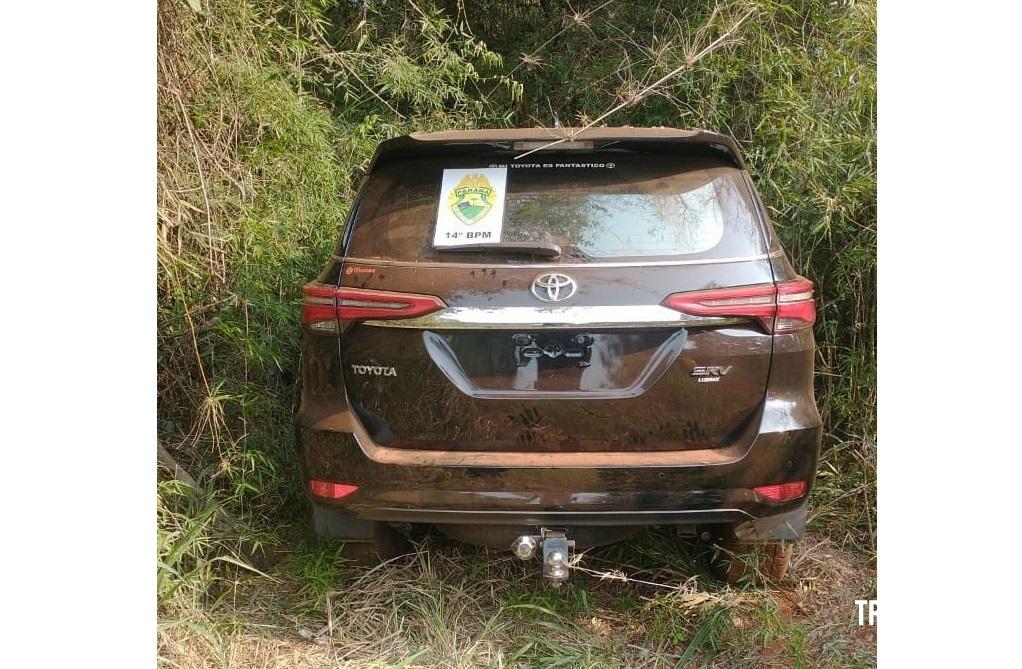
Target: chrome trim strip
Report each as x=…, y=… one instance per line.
x=650, y=263
x=593, y=317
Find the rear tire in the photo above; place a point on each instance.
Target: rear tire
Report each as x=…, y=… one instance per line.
x=363, y=541
x=741, y=563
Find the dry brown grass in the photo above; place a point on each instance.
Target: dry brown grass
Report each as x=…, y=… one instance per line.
x=455, y=607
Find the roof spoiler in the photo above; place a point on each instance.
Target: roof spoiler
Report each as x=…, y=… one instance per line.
x=645, y=140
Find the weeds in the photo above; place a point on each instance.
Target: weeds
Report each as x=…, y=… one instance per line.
x=447, y=605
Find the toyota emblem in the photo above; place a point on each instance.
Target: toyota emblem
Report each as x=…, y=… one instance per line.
x=554, y=287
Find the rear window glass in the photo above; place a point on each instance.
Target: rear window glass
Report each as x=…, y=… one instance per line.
x=624, y=207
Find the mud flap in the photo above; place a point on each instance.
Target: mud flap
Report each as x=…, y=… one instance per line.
x=364, y=540
x=786, y=526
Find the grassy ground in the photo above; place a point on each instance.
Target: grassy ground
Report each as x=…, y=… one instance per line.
x=268, y=113
x=450, y=605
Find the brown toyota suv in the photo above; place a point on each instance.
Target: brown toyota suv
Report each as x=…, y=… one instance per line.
x=541, y=339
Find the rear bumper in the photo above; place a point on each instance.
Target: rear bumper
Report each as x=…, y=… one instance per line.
x=783, y=526
x=711, y=487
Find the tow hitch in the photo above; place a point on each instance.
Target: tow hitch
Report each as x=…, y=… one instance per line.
x=557, y=549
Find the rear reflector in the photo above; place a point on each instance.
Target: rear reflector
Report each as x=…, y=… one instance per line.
x=782, y=492
x=330, y=490
x=781, y=308
x=325, y=306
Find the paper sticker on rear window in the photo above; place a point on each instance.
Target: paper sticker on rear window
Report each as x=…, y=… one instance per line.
x=471, y=209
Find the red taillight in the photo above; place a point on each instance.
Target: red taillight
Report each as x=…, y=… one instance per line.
x=331, y=490
x=325, y=306
x=782, y=308
x=781, y=492
x=354, y=303
x=319, y=308
x=796, y=309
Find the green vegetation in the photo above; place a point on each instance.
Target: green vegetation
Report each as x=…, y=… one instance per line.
x=268, y=114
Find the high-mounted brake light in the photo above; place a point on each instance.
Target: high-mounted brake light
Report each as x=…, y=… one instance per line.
x=781, y=308
x=325, y=306
x=781, y=492
x=331, y=490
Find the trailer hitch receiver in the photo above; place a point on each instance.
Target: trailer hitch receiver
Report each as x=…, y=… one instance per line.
x=557, y=549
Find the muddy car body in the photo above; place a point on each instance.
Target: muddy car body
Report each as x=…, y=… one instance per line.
x=633, y=347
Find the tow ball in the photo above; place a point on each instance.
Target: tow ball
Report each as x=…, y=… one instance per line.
x=557, y=549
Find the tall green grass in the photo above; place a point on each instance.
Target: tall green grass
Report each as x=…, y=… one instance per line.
x=270, y=110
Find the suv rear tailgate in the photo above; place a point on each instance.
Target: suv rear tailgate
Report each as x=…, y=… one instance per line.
x=607, y=369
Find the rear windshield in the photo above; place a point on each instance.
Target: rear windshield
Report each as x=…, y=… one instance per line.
x=609, y=207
